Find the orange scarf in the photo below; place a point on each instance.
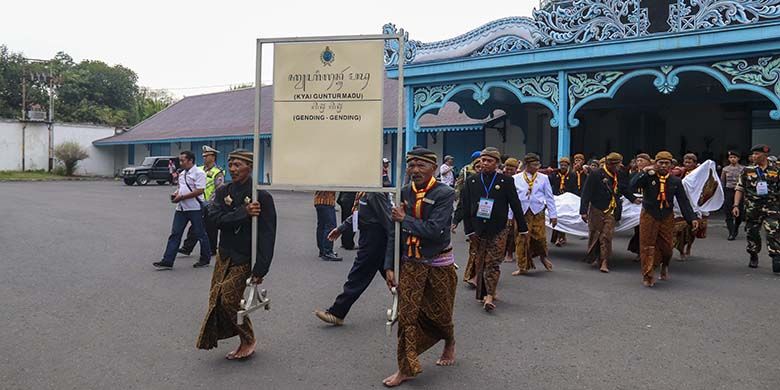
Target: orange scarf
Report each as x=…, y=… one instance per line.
x=662, y=201
x=613, y=201
x=579, y=181
x=563, y=179
x=413, y=242
x=530, y=182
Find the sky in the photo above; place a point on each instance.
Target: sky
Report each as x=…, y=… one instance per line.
x=192, y=47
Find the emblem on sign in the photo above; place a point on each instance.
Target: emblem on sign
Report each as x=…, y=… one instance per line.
x=328, y=56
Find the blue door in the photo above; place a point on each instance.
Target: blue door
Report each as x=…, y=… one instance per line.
x=160, y=149
x=461, y=145
x=224, y=147
x=130, y=154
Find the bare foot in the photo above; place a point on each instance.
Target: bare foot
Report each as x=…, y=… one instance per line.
x=232, y=354
x=547, y=264
x=509, y=259
x=447, y=356
x=245, y=350
x=519, y=272
x=664, y=272
x=489, y=305
x=396, y=379
x=604, y=268
x=648, y=281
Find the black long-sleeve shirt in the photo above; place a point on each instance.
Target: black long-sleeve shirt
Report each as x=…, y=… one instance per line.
x=651, y=186
x=572, y=184
x=228, y=213
x=433, y=228
x=373, y=212
x=597, y=192
x=504, y=195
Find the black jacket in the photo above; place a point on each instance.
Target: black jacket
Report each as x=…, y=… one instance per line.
x=504, y=195
x=434, y=227
x=650, y=186
x=373, y=212
x=597, y=192
x=228, y=213
x=570, y=185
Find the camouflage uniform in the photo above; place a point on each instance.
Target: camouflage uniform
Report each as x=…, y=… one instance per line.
x=465, y=172
x=761, y=211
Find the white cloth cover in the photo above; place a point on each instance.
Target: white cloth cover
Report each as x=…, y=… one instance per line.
x=568, y=205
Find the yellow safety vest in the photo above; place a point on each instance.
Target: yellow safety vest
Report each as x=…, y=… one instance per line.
x=211, y=174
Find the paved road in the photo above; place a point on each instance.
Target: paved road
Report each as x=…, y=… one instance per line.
x=84, y=309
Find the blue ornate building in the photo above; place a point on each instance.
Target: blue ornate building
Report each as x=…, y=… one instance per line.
x=594, y=76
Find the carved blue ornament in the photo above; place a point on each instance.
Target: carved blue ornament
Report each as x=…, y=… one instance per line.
x=688, y=15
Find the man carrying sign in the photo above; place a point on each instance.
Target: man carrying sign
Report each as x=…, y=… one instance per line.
x=232, y=212
x=427, y=277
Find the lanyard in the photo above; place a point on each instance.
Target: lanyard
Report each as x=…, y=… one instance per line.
x=487, y=188
x=760, y=173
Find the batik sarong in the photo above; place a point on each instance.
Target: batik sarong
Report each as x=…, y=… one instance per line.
x=488, y=255
x=533, y=244
x=426, y=300
x=655, y=240
x=227, y=289
x=601, y=228
x=683, y=234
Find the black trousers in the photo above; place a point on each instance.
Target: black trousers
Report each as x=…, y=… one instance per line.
x=728, y=205
x=192, y=239
x=370, y=259
x=346, y=201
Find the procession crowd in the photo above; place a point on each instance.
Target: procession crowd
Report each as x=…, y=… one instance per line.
x=504, y=204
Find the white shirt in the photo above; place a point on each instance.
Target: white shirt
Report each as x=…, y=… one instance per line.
x=447, y=175
x=196, y=179
x=540, y=197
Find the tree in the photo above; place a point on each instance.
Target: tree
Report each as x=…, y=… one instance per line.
x=70, y=153
x=93, y=92
x=151, y=101
x=87, y=91
x=13, y=68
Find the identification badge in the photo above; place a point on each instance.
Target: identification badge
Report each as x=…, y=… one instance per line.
x=355, y=221
x=762, y=189
x=485, y=208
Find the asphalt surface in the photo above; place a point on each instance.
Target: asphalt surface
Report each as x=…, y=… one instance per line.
x=82, y=308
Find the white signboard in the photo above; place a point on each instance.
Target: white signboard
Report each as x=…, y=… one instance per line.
x=327, y=123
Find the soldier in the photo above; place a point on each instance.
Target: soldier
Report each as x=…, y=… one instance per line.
x=465, y=172
x=759, y=186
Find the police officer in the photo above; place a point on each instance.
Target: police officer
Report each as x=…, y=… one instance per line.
x=215, y=177
x=759, y=188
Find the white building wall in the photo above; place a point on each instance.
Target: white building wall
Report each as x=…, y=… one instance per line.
x=101, y=161
x=10, y=146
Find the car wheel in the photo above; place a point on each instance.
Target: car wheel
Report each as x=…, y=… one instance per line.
x=129, y=181
x=161, y=182
x=142, y=180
